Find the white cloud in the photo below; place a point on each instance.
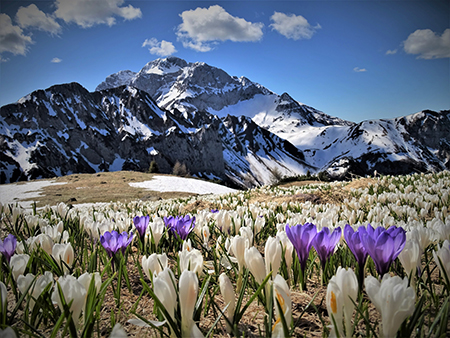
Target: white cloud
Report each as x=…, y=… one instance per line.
x=87, y=13
x=56, y=60
x=292, y=26
x=427, y=44
x=204, y=27
x=391, y=51
x=3, y=60
x=31, y=16
x=163, y=48
x=12, y=38
x=359, y=70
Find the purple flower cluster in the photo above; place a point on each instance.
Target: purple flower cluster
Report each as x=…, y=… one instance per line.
x=180, y=226
x=113, y=241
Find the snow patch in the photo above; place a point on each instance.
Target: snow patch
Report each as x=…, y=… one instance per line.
x=180, y=184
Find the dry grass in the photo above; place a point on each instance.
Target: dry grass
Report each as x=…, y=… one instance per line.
x=101, y=187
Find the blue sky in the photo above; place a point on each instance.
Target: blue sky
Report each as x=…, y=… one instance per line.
x=356, y=60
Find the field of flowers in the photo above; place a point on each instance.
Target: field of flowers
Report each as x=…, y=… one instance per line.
x=369, y=258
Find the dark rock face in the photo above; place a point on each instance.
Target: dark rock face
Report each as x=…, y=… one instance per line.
x=65, y=129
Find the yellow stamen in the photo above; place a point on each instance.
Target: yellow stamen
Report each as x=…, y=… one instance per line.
x=333, y=302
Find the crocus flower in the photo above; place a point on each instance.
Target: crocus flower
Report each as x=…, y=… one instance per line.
x=237, y=247
x=165, y=291
x=282, y=295
x=341, y=290
x=227, y=291
x=157, y=228
x=356, y=246
x=383, y=245
x=113, y=241
x=64, y=253
x=74, y=291
x=44, y=241
x=85, y=280
x=23, y=283
x=410, y=257
x=8, y=246
x=180, y=226
x=255, y=263
x=154, y=264
x=188, y=290
x=191, y=260
x=325, y=242
x=302, y=237
x=141, y=224
x=18, y=264
x=272, y=255
x=443, y=253
x=393, y=299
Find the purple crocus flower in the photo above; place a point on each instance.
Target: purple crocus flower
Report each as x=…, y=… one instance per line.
x=383, y=245
x=325, y=242
x=302, y=237
x=180, y=226
x=354, y=242
x=8, y=246
x=113, y=241
x=141, y=224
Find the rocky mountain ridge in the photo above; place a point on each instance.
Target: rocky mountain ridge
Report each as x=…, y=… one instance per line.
x=220, y=126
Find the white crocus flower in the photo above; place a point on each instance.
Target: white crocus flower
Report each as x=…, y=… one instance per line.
x=238, y=246
x=74, y=291
x=205, y=235
x=393, y=299
x=191, y=260
x=157, y=227
x=64, y=252
x=86, y=278
x=443, y=253
x=344, y=286
x=272, y=255
x=165, y=290
x=188, y=290
x=154, y=264
x=23, y=282
x=18, y=264
x=227, y=291
x=255, y=263
x=44, y=241
x=282, y=294
x=335, y=304
x=247, y=232
x=410, y=258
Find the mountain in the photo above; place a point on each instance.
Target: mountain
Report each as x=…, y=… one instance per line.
x=220, y=126
x=328, y=143
x=66, y=129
